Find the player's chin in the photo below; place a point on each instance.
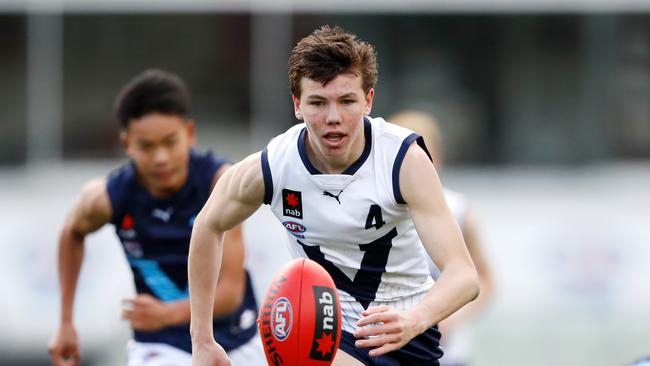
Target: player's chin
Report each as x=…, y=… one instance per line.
x=335, y=153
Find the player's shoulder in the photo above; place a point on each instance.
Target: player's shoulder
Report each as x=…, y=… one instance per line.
x=245, y=179
x=385, y=129
x=94, y=186
x=94, y=196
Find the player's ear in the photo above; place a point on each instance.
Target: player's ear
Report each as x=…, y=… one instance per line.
x=296, y=107
x=191, y=130
x=369, y=98
x=124, y=139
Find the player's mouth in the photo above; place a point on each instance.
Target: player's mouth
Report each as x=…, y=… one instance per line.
x=334, y=139
x=164, y=175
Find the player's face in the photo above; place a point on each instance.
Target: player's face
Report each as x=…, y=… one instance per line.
x=334, y=115
x=159, y=144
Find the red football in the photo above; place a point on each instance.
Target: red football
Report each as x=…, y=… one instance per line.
x=300, y=317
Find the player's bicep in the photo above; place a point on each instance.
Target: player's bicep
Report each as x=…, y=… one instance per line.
x=238, y=194
x=92, y=210
x=433, y=220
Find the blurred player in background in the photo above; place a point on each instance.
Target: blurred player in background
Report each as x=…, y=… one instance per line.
x=152, y=201
x=455, y=333
x=361, y=188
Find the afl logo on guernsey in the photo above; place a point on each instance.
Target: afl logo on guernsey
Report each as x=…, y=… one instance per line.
x=295, y=228
x=292, y=203
x=281, y=319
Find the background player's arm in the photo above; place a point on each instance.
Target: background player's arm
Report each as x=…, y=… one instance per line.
x=147, y=313
x=439, y=232
x=237, y=195
x=472, y=240
x=91, y=212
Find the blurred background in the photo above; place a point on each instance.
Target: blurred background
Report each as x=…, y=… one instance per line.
x=544, y=109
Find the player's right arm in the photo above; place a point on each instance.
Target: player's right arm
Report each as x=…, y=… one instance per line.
x=237, y=195
x=91, y=211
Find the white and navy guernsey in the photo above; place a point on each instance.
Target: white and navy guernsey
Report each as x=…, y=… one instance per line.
x=355, y=224
x=155, y=235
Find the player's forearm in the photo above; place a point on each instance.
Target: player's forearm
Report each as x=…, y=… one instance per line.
x=470, y=310
x=456, y=286
x=71, y=251
x=178, y=312
x=204, y=263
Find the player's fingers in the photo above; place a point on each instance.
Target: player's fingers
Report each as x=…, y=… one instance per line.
x=68, y=361
x=135, y=324
x=71, y=351
x=73, y=360
x=382, y=317
x=127, y=303
x=140, y=300
x=53, y=349
x=127, y=314
x=384, y=328
x=388, y=347
x=375, y=309
x=377, y=341
x=55, y=355
x=65, y=358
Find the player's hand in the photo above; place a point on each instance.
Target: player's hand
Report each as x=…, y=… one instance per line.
x=145, y=313
x=209, y=354
x=64, y=346
x=388, y=329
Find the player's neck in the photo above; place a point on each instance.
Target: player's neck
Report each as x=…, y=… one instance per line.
x=334, y=164
x=163, y=191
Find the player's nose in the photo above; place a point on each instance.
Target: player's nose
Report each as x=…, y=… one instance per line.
x=161, y=155
x=333, y=115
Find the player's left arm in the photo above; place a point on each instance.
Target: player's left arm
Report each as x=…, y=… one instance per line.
x=146, y=313
x=443, y=241
x=232, y=277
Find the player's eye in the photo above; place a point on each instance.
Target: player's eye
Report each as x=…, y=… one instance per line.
x=348, y=101
x=146, y=147
x=171, y=142
x=317, y=103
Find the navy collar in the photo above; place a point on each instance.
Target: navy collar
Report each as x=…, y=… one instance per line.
x=174, y=197
x=367, y=133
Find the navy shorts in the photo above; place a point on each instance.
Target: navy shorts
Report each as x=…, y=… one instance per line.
x=423, y=350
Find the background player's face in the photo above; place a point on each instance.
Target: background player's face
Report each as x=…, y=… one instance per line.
x=334, y=115
x=159, y=144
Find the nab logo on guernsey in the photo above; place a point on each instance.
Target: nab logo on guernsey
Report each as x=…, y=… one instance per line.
x=281, y=319
x=326, y=324
x=292, y=203
x=127, y=227
x=295, y=228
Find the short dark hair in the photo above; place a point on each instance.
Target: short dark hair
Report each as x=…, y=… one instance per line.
x=329, y=52
x=152, y=91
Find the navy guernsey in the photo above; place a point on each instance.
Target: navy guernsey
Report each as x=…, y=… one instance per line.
x=155, y=235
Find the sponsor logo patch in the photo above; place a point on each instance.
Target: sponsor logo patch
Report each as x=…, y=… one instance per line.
x=292, y=203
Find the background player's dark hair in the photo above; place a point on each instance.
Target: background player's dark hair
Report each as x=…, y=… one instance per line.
x=329, y=52
x=152, y=91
